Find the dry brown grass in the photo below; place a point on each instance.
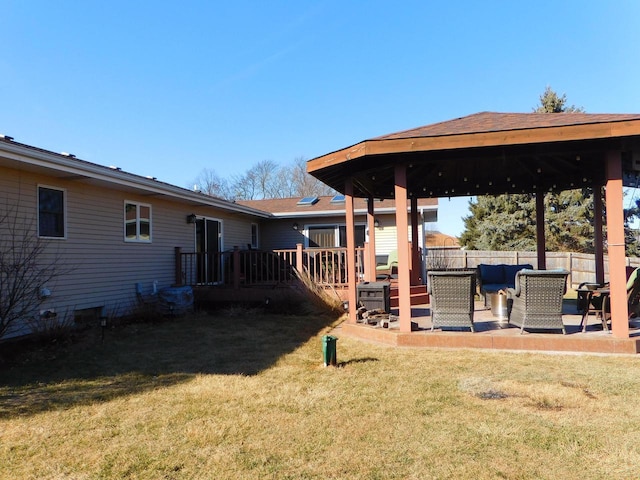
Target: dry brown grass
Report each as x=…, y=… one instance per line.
x=235, y=398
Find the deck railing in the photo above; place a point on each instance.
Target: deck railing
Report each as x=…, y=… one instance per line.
x=237, y=268
x=327, y=266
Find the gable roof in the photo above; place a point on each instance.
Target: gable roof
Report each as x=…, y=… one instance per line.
x=289, y=207
x=26, y=157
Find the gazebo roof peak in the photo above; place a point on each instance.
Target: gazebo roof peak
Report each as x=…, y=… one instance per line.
x=484, y=122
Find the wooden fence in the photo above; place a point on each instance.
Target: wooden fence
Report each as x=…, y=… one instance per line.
x=581, y=266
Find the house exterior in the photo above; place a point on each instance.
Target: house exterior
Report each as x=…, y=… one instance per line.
x=111, y=232
x=319, y=222
x=116, y=237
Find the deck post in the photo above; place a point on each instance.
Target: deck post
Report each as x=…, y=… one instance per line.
x=177, y=276
x=370, y=248
x=597, y=233
x=299, y=258
x=541, y=244
x=402, y=223
x=351, y=250
x=415, y=244
x=236, y=267
x=616, y=246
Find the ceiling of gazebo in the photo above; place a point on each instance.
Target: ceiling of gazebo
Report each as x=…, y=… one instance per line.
x=488, y=153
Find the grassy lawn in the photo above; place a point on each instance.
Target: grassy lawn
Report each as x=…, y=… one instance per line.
x=246, y=396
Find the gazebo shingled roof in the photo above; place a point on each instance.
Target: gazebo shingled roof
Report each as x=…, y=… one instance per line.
x=486, y=153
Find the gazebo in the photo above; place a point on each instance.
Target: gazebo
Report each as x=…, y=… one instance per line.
x=490, y=154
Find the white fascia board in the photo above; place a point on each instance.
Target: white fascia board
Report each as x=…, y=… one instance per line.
x=74, y=167
x=334, y=213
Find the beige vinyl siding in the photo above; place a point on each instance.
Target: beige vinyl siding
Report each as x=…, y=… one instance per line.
x=101, y=269
x=237, y=232
x=386, y=234
x=279, y=234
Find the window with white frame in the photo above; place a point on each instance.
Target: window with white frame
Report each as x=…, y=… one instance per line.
x=51, y=212
x=254, y=235
x=137, y=222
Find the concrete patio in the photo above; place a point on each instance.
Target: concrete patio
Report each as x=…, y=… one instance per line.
x=493, y=334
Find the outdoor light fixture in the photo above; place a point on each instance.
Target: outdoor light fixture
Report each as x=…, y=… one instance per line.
x=295, y=226
x=376, y=223
x=191, y=218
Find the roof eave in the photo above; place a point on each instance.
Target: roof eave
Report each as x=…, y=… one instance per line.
x=337, y=213
x=547, y=134
x=81, y=169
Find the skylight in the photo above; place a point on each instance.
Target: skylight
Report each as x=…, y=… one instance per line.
x=308, y=201
x=338, y=199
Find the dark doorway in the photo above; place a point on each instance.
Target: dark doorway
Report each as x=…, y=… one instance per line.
x=208, y=247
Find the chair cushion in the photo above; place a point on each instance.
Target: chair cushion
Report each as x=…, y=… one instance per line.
x=632, y=279
x=510, y=273
x=491, y=274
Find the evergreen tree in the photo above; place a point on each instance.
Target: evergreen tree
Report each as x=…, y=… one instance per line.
x=550, y=102
x=502, y=222
x=507, y=222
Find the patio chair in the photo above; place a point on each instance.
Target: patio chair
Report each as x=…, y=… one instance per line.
x=452, y=296
x=385, y=270
x=633, y=297
x=601, y=304
x=536, y=300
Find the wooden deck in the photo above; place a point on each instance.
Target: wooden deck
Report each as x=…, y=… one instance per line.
x=491, y=334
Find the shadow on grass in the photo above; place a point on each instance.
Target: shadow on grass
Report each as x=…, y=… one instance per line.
x=357, y=360
x=141, y=357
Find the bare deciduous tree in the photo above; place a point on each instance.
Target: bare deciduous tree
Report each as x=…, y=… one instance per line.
x=303, y=184
x=265, y=179
x=209, y=182
x=25, y=269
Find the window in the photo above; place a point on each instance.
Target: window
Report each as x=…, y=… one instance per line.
x=137, y=222
x=307, y=201
x=254, y=235
x=322, y=237
x=360, y=236
x=51, y=212
x=331, y=236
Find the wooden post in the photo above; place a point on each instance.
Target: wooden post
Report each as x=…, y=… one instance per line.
x=597, y=233
x=299, y=258
x=615, y=242
x=177, y=276
x=415, y=244
x=370, y=253
x=540, y=237
x=351, y=250
x=402, y=224
x=236, y=267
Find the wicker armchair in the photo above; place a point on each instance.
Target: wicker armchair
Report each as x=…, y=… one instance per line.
x=451, y=295
x=536, y=300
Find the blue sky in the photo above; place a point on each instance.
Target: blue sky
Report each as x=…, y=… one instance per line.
x=170, y=88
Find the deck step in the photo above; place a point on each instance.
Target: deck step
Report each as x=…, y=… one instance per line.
x=419, y=296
